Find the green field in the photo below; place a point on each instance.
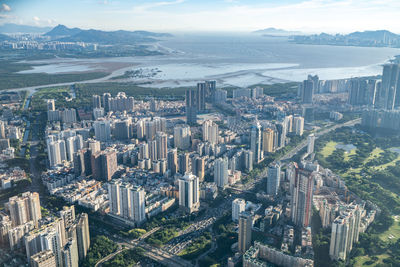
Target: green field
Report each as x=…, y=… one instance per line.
x=393, y=233
x=328, y=149
x=368, y=261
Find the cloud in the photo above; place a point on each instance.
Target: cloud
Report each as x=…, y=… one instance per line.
x=146, y=7
x=5, y=7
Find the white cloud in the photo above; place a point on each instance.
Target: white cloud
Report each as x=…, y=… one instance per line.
x=147, y=7
x=5, y=7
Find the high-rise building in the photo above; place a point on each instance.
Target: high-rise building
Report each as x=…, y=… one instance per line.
x=307, y=91
x=96, y=101
x=182, y=137
x=389, y=93
x=102, y=130
x=56, y=151
x=104, y=164
x=127, y=201
x=183, y=162
x=255, y=142
x=162, y=145
x=202, y=89
x=302, y=197
x=238, y=206
x=245, y=228
x=310, y=143
x=299, y=125
x=138, y=204
x=94, y=146
x=268, y=140
x=68, y=115
x=69, y=253
x=82, y=235
x=273, y=178
x=122, y=129
x=189, y=192
x=82, y=163
x=121, y=103
x=221, y=172
x=281, y=132
x=199, y=164
x=210, y=132
x=2, y=130
x=68, y=215
x=114, y=196
x=339, y=238
x=106, y=101
x=43, y=258
x=173, y=161
x=191, y=106
x=24, y=208
x=48, y=237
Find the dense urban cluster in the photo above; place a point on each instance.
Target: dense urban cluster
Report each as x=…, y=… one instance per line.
x=242, y=154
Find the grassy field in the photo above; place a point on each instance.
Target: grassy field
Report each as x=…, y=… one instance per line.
x=393, y=233
x=367, y=261
x=328, y=149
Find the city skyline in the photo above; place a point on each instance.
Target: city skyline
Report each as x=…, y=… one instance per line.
x=309, y=16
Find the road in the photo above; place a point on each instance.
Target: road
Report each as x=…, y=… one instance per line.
x=124, y=246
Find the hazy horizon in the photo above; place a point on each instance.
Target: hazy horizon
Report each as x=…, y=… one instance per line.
x=188, y=16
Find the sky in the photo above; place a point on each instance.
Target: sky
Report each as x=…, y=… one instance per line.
x=312, y=16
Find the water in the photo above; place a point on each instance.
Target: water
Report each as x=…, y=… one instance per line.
x=237, y=60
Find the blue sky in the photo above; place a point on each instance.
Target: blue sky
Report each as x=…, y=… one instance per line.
x=206, y=15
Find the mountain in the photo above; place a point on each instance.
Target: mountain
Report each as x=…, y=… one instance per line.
x=17, y=28
x=61, y=30
x=380, y=38
x=276, y=32
x=63, y=33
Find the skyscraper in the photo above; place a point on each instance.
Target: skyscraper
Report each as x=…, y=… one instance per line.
x=255, y=142
x=24, y=208
x=104, y=164
x=221, y=172
x=182, y=136
x=173, y=161
x=339, y=238
x=191, y=106
x=273, y=178
x=389, y=94
x=43, y=258
x=70, y=256
x=210, y=132
x=299, y=125
x=96, y=101
x=307, y=91
x=82, y=235
x=245, y=226
x=310, y=143
x=268, y=140
x=183, y=161
x=102, y=130
x=238, y=206
x=162, y=145
x=189, y=192
x=302, y=196
x=202, y=89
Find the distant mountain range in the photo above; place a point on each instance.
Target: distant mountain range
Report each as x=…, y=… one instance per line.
x=17, y=28
x=276, y=32
x=380, y=38
x=63, y=33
